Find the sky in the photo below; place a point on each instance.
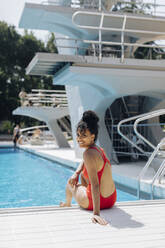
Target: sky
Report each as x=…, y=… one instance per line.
x=10, y=12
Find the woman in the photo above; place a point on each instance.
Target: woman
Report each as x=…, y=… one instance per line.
x=16, y=134
x=97, y=189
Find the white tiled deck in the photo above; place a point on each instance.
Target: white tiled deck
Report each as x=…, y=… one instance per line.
x=131, y=225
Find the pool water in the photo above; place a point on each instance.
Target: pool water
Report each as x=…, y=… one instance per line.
x=28, y=180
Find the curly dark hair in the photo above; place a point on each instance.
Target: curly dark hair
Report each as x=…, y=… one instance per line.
x=89, y=121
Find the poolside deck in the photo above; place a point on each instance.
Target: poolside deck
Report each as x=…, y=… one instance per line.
x=135, y=224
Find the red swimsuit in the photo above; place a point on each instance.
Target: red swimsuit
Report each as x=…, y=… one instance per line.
x=105, y=202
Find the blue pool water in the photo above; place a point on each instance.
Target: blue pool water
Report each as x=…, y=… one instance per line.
x=28, y=180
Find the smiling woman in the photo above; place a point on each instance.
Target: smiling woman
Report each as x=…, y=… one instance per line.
x=97, y=189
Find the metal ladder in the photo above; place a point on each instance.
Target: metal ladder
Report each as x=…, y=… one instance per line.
x=138, y=119
x=159, y=173
x=156, y=151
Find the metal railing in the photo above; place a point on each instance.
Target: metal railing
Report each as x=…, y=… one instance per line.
x=139, y=118
x=124, y=148
x=122, y=31
x=37, y=135
x=107, y=49
x=146, y=117
x=100, y=48
x=91, y=48
x=53, y=98
x=32, y=128
x=151, y=7
x=156, y=151
x=159, y=172
x=82, y=4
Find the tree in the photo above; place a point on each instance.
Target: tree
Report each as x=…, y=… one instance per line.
x=15, y=54
x=51, y=44
x=133, y=6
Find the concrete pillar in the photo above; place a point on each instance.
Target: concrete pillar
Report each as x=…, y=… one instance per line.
x=57, y=133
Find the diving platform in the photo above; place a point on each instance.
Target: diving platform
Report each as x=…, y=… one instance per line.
x=109, y=73
x=50, y=116
x=50, y=64
x=84, y=23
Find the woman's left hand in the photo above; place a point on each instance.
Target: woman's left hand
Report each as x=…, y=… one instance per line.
x=98, y=219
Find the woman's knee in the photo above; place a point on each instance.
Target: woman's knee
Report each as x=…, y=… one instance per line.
x=81, y=199
x=70, y=186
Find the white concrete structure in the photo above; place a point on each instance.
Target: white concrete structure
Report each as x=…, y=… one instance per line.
x=49, y=106
x=108, y=85
x=50, y=116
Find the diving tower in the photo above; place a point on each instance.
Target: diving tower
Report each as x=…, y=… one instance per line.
x=98, y=60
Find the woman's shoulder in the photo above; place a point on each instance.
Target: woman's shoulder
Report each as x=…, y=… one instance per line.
x=91, y=151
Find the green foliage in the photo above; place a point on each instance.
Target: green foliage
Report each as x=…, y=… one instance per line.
x=16, y=52
x=6, y=127
x=51, y=44
x=133, y=6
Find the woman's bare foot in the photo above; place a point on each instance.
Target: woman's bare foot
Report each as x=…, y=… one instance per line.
x=64, y=204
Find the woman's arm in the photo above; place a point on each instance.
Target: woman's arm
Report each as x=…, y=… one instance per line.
x=80, y=168
x=90, y=160
x=74, y=178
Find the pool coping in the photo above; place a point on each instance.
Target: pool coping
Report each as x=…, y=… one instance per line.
x=52, y=208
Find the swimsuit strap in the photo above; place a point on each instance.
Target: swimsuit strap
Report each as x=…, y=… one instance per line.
x=104, y=159
x=99, y=150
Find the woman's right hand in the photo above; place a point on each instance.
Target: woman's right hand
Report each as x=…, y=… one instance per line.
x=73, y=180
x=98, y=219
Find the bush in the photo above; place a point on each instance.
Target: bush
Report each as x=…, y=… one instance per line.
x=6, y=127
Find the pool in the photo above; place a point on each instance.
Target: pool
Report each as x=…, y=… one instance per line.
x=28, y=180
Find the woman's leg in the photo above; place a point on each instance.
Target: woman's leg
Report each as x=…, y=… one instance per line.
x=79, y=193
x=83, y=180
x=69, y=196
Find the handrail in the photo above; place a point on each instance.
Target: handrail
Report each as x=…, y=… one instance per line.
x=122, y=30
x=117, y=16
x=53, y=97
x=43, y=136
x=157, y=175
x=31, y=128
x=100, y=5
x=149, y=116
x=95, y=4
x=124, y=136
x=143, y=171
x=50, y=91
x=107, y=43
x=146, y=115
